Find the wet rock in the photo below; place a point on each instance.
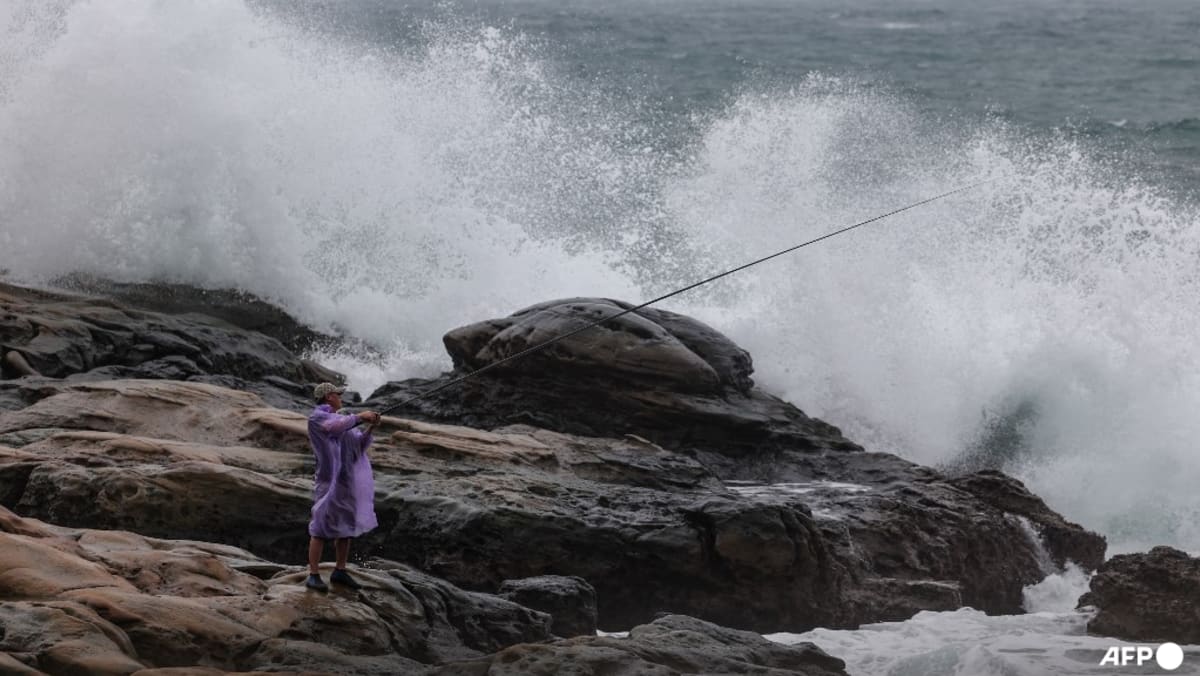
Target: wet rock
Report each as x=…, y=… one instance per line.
x=58, y=334
x=669, y=645
x=652, y=373
x=238, y=308
x=1150, y=596
x=650, y=345
x=1065, y=541
x=570, y=601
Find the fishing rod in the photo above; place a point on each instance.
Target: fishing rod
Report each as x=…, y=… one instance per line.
x=540, y=346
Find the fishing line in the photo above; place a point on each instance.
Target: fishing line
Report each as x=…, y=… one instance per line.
x=540, y=346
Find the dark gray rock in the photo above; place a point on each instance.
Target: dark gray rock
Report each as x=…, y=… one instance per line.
x=471, y=623
x=652, y=373
x=179, y=501
x=834, y=539
x=1152, y=596
x=671, y=644
x=649, y=345
x=58, y=335
x=570, y=601
x=731, y=423
x=702, y=647
x=1065, y=541
x=237, y=308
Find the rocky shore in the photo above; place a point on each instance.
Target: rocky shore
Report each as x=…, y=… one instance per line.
x=155, y=478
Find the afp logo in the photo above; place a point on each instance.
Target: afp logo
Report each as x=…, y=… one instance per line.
x=1168, y=655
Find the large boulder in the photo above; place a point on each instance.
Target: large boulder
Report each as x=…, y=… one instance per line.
x=649, y=345
x=1150, y=596
x=653, y=373
x=570, y=601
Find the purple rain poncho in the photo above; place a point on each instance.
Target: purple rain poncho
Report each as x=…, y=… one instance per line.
x=343, y=488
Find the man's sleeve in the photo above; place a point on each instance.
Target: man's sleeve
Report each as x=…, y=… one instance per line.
x=332, y=423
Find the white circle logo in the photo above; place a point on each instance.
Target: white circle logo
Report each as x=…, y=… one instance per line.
x=1169, y=656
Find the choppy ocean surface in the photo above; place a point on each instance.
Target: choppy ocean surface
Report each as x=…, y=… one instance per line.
x=392, y=170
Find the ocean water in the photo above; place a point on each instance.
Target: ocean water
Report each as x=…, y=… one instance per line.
x=391, y=170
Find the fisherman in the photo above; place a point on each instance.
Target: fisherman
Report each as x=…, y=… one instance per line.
x=343, y=487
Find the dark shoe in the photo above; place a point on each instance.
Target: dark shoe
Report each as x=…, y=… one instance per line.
x=343, y=578
x=315, y=582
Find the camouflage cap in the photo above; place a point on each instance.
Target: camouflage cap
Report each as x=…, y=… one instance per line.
x=325, y=389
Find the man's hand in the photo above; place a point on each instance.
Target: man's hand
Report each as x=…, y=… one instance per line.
x=369, y=417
